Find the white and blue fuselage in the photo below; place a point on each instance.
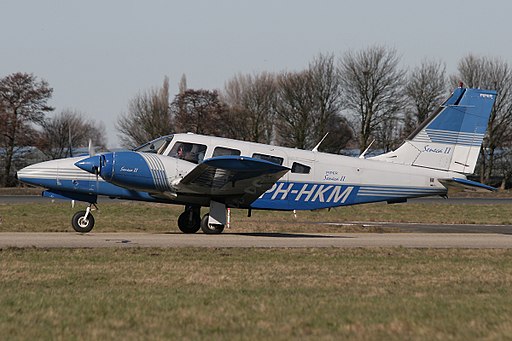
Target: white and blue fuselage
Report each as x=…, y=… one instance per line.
x=197, y=170
x=316, y=180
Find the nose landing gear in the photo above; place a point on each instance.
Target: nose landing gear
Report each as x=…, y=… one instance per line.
x=83, y=221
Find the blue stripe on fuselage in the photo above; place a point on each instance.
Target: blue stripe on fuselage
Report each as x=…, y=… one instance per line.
x=311, y=196
x=282, y=196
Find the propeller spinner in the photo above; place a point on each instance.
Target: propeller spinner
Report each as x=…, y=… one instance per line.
x=91, y=164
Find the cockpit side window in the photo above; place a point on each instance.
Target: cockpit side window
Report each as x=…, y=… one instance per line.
x=157, y=146
x=163, y=147
x=192, y=152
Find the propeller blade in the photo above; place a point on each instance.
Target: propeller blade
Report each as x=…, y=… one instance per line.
x=92, y=152
x=97, y=181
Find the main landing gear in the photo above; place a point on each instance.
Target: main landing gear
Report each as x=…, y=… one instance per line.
x=190, y=220
x=83, y=221
x=212, y=223
x=210, y=228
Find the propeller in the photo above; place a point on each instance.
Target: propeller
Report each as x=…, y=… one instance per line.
x=99, y=165
x=92, y=164
x=92, y=152
x=97, y=173
x=97, y=169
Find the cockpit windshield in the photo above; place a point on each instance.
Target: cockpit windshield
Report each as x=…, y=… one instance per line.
x=157, y=146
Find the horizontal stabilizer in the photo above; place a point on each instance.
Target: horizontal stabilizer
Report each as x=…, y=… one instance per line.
x=464, y=185
x=236, y=180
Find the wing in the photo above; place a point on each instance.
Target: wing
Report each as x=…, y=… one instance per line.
x=464, y=185
x=235, y=180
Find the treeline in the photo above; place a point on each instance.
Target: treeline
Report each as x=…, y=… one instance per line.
x=24, y=122
x=361, y=97
x=358, y=97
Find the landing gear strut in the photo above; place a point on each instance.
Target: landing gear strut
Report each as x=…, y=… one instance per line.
x=83, y=221
x=190, y=220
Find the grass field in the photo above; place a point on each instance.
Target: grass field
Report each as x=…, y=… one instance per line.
x=136, y=216
x=255, y=294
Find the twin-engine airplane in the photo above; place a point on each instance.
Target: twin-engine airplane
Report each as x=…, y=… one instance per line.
x=204, y=171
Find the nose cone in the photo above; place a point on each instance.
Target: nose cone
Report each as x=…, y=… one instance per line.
x=22, y=174
x=39, y=174
x=90, y=164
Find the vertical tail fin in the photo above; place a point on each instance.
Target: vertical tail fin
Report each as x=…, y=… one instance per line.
x=451, y=138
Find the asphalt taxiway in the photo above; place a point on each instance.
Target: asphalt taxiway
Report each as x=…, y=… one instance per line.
x=263, y=240
x=412, y=235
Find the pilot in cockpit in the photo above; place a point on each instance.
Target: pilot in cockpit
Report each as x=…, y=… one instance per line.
x=189, y=152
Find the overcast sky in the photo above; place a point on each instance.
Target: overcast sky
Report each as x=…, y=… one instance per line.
x=99, y=54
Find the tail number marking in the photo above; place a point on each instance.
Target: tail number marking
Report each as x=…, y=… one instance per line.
x=308, y=192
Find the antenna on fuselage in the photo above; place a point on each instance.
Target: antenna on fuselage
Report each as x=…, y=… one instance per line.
x=319, y=143
x=366, y=150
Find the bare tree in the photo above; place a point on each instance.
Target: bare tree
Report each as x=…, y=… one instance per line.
x=327, y=106
x=23, y=102
x=148, y=117
x=294, y=110
x=425, y=91
x=340, y=135
x=372, y=89
x=389, y=133
x=503, y=165
x=471, y=71
x=326, y=92
x=309, y=106
x=198, y=111
x=67, y=130
x=183, y=84
x=251, y=102
x=494, y=74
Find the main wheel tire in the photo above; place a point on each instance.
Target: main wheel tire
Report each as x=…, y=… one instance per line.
x=210, y=228
x=80, y=224
x=189, y=222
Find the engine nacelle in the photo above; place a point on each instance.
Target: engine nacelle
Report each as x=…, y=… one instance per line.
x=138, y=171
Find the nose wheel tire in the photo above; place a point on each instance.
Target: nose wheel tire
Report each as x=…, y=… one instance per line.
x=210, y=228
x=189, y=222
x=80, y=223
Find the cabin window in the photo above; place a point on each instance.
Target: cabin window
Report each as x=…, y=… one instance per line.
x=222, y=151
x=191, y=152
x=270, y=158
x=300, y=168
